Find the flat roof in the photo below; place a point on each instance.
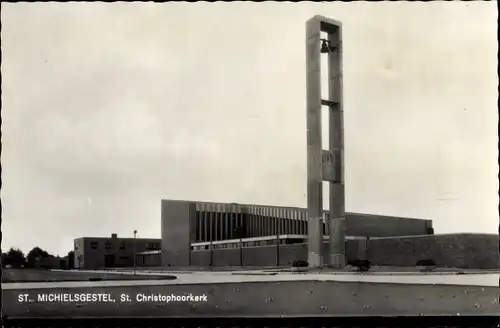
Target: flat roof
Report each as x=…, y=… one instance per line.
x=119, y=238
x=302, y=209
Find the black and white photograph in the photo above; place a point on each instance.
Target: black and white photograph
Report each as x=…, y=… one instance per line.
x=249, y=160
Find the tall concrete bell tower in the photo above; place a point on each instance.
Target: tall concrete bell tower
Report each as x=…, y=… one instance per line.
x=325, y=165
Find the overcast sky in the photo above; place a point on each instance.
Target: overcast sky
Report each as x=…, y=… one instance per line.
x=108, y=108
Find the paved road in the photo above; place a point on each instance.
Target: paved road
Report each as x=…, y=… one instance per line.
x=33, y=275
x=486, y=280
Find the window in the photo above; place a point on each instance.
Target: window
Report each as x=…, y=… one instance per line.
x=108, y=245
x=124, y=258
x=122, y=245
x=94, y=245
x=152, y=246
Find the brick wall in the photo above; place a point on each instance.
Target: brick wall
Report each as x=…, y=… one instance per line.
x=475, y=251
x=454, y=250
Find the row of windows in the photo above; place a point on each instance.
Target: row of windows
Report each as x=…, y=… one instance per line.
x=109, y=245
x=153, y=246
x=249, y=244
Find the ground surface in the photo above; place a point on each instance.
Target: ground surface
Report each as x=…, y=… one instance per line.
x=373, y=269
x=259, y=298
x=255, y=293
x=32, y=275
x=195, y=278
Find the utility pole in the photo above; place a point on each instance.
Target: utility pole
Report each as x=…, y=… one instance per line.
x=211, y=254
x=135, y=250
x=278, y=249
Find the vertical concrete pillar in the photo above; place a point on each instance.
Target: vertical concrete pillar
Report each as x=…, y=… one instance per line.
x=243, y=215
x=231, y=221
x=287, y=221
x=225, y=221
x=220, y=225
x=304, y=223
x=216, y=221
x=262, y=221
x=252, y=221
x=256, y=221
x=314, y=178
x=271, y=221
x=337, y=226
x=257, y=214
x=295, y=223
x=211, y=220
x=274, y=222
x=253, y=232
x=198, y=225
x=267, y=217
x=204, y=221
x=248, y=224
x=278, y=220
x=298, y=217
x=299, y=225
x=239, y=218
x=281, y=229
x=256, y=218
x=277, y=224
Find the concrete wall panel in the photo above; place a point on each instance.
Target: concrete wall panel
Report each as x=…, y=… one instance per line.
x=226, y=257
x=177, y=231
x=260, y=256
x=200, y=258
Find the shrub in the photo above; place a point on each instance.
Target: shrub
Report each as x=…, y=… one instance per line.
x=361, y=265
x=427, y=264
x=300, y=264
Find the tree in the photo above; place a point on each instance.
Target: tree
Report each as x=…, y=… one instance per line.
x=14, y=257
x=34, y=255
x=71, y=259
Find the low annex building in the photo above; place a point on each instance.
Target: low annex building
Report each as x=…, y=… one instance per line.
x=111, y=252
